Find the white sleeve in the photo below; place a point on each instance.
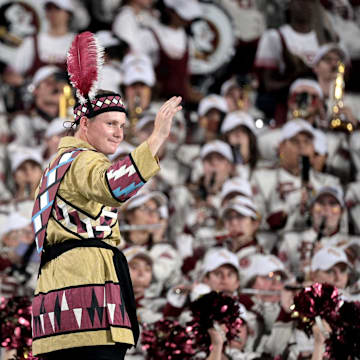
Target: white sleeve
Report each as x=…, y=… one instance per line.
x=269, y=51
x=25, y=56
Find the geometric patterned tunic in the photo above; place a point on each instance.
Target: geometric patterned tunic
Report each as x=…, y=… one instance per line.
x=78, y=299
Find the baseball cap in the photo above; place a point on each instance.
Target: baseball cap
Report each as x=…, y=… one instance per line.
x=24, y=154
x=138, y=68
x=133, y=252
x=235, y=119
x=56, y=127
x=306, y=82
x=217, y=257
x=259, y=265
x=320, y=142
x=294, y=127
x=107, y=38
x=324, y=49
x=219, y=147
x=212, y=101
x=144, y=120
x=327, y=257
x=334, y=191
x=236, y=185
x=14, y=221
x=61, y=4
x=123, y=148
x=242, y=205
x=143, y=197
x=43, y=73
x=186, y=9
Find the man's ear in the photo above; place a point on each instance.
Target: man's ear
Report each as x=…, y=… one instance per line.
x=84, y=122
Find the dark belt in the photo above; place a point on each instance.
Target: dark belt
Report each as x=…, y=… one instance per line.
x=121, y=268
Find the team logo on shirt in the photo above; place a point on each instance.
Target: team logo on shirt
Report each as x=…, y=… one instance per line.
x=212, y=41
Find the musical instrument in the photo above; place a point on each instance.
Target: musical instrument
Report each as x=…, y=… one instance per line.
x=302, y=104
x=338, y=120
x=139, y=227
x=66, y=103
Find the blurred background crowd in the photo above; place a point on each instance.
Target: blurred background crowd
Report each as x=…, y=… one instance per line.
x=259, y=189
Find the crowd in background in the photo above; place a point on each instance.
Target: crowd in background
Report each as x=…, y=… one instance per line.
x=259, y=189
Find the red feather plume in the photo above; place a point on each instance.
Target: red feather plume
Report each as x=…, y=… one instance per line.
x=84, y=61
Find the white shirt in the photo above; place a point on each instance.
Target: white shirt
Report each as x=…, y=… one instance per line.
x=269, y=52
x=52, y=49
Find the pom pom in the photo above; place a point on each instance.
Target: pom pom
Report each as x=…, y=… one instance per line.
x=84, y=61
x=316, y=300
x=209, y=309
x=15, y=326
x=167, y=340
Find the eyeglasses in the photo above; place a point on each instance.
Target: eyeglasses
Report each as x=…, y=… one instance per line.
x=150, y=210
x=275, y=276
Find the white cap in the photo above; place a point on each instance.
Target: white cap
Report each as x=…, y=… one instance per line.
x=62, y=4
x=186, y=9
x=294, y=127
x=43, y=73
x=216, y=257
x=107, y=38
x=142, y=198
x=324, y=49
x=24, y=154
x=334, y=191
x=237, y=118
x=14, y=221
x=217, y=146
x=56, y=127
x=242, y=205
x=212, y=101
x=138, y=68
x=320, y=142
x=327, y=257
x=306, y=82
x=144, y=120
x=137, y=251
x=259, y=265
x=123, y=148
x=227, y=85
x=236, y=185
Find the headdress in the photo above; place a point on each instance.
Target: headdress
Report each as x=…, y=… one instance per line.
x=84, y=62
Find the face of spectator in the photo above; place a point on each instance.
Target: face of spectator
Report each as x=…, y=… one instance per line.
x=147, y=213
x=47, y=95
x=141, y=274
x=338, y=275
x=240, y=137
x=292, y=149
x=224, y=278
x=138, y=97
x=13, y=238
x=105, y=131
x=28, y=174
x=57, y=17
x=301, y=11
x=326, y=68
x=306, y=99
x=241, y=338
x=272, y=282
x=237, y=99
x=143, y=4
x=210, y=122
x=215, y=163
x=52, y=143
x=326, y=208
x=237, y=224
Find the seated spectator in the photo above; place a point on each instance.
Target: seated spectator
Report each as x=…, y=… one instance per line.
x=240, y=133
x=212, y=110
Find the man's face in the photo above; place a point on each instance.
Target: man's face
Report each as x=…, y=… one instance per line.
x=326, y=68
x=237, y=224
x=47, y=95
x=106, y=131
x=28, y=173
x=210, y=123
x=338, y=275
x=224, y=278
x=326, y=208
x=140, y=273
x=273, y=282
x=147, y=213
x=218, y=164
x=292, y=149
